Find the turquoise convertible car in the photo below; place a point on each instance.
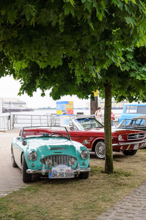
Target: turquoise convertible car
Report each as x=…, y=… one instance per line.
x=47, y=152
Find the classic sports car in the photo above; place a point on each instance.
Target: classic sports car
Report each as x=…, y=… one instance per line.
x=49, y=153
x=90, y=132
x=138, y=123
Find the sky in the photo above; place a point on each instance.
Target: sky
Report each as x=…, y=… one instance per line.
x=9, y=88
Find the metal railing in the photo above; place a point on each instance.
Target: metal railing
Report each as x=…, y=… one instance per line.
x=21, y=120
x=5, y=123
x=29, y=120
x=11, y=121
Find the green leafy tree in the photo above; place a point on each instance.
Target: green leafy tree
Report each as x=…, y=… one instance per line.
x=76, y=47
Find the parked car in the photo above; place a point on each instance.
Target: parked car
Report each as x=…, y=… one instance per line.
x=133, y=110
x=49, y=153
x=90, y=132
x=138, y=123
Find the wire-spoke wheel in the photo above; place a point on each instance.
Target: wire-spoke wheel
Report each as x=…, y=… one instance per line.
x=100, y=150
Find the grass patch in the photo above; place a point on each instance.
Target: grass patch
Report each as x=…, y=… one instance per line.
x=75, y=199
x=119, y=173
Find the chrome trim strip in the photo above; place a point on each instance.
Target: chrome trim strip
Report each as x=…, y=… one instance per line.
x=136, y=142
x=78, y=170
x=57, y=148
x=76, y=123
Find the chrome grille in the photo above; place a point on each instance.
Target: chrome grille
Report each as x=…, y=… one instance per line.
x=57, y=159
x=136, y=136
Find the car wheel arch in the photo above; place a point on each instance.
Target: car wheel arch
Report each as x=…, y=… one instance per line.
x=14, y=164
x=95, y=142
x=11, y=148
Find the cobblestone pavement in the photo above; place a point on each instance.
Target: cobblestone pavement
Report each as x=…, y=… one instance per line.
x=132, y=207
x=10, y=177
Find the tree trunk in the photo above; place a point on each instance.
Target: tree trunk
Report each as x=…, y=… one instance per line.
x=107, y=130
x=93, y=105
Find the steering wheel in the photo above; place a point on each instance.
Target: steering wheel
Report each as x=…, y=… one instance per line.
x=54, y=133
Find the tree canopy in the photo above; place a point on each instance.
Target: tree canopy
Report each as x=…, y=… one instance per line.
x=58, y=44
x=76, y=47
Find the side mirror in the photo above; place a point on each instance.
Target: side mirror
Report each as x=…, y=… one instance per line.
x=24, y=143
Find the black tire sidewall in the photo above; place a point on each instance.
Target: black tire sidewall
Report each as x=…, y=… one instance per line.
x=130, y=152
x=84, y=175
x=25, y=176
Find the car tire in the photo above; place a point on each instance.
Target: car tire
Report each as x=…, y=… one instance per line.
x=129, y=152
x=25, y=176
x=84, y=175
x=13, y=158
x=100, y=150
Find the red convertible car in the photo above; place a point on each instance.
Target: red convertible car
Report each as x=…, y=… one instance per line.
x=90, y=132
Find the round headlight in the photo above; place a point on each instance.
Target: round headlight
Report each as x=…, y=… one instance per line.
x=120, y=137
x=32, y=155
x=85, y=154
x=72, y=161
x=48, y=162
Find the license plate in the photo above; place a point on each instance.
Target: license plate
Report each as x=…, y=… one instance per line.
x=61, y=171
x=61, y=175
x=136, y=146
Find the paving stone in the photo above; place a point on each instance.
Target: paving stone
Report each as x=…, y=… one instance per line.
x=102, y=218
x=11, y=177
x=129, y=211
x=120, y=218
x=139, y=218
x=120, y=211
x=132, y=207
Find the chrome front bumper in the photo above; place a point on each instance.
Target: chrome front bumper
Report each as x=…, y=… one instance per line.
x=44, y=171
x=127, y=143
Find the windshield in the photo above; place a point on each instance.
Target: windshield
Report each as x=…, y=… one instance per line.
x=138, y=122
x=132, y=123
x=124, y=123
x=52, y=131
x=87, y=123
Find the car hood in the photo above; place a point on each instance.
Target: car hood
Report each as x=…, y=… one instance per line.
x=54, y=146
x=125, y=131
x=116, y=130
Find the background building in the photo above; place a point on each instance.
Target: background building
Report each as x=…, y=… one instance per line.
x=115, y=105
x=13, y=104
